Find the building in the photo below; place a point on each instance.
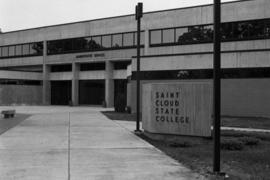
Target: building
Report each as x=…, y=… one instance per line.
x=93, y=62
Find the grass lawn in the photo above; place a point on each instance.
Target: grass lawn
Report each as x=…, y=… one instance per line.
x=251, y=161
x=6, y=124
x=227, y=121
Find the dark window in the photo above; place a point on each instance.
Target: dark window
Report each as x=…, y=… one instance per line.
x=256, y=29
x=227, y=31
x=117, y=40
x=168, y=36
x=267, y=28
x=120, y=65
x=11, y=51
x=80, y=44
x=230, y=31
x=68, y=45
x=128, y=39
x=107, y=41
x=25, y=49
x=156, y=37
x=92, y=66
x=61, y=68
x=36, y=48
x=208, y=32
x=18, y=50
x=95, y=43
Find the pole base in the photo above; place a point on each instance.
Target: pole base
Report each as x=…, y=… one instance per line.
x=138, y=132
x=220, y=174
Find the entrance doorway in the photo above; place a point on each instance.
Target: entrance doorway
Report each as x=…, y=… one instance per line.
x=60, y=92
x=91, y=92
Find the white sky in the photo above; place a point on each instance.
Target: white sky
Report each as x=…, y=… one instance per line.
x=23, y=14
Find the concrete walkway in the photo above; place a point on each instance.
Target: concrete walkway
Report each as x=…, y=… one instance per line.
x=80, y=144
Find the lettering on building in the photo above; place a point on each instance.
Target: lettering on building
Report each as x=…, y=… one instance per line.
x=168, y=108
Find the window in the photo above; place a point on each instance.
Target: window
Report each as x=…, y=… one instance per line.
x=155, y=37
x=179, y=32
x=107, y=41
x=61, y=68
x=5, y=51
x=267, y=28
x=120, y=65
x=117, y=40
x=67, y=45
x=95, y=43
x=25, y=49
x=128, y=39
x=11, y=51
x=168, y=36
x=92, y=66
x=141, y=38
x=18, y=50
x=208, y=33
x=36, y=48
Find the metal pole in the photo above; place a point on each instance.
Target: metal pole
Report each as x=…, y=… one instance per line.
x=138, y=11
x=216, y=62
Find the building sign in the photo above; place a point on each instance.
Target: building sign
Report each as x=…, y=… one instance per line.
x=177, y=108
x=91, y=55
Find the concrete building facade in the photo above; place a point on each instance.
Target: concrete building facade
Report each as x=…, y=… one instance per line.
x=93, y=62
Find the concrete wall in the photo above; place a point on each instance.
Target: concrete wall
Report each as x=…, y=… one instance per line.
x=245, y=97
x=20, y=94
x=170, y=18
x=239, y=97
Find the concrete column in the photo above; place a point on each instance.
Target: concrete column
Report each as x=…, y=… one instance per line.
x=75, y=83
x=46, y=87
x=109, y=85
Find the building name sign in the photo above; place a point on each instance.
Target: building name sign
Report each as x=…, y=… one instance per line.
x=177, y=108
x=167, y=108
x=91, y=55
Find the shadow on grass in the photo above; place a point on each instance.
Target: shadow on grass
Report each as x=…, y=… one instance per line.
x=8, y=123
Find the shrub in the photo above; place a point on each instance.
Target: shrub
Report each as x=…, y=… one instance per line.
x=250, y=141
x=181, y=144
x=231, y=144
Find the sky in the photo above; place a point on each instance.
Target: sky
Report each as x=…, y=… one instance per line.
x=24, y=14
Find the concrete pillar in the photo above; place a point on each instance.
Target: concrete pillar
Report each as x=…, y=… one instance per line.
x=75, y=83
x=109, y=85
x=46, y=87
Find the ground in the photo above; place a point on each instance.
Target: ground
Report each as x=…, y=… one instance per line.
x=250, y=162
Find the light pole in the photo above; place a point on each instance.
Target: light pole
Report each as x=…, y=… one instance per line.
x=138, y=16
x=216, y=90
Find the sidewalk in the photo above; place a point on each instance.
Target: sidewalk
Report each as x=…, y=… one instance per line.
x=81, y=145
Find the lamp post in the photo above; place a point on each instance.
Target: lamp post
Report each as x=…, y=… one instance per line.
x=216, y=90
x=138, y=16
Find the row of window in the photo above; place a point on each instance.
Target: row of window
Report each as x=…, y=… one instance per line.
x=94, y=43
x=29, y=49
x=89, y=66
x=230, y=31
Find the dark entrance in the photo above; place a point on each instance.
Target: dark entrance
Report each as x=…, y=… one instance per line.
x=91, y=92
x=60, y=92
x=120, y=92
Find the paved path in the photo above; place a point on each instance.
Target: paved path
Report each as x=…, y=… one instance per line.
x=81, y=145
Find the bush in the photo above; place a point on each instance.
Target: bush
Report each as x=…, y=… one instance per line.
x=181, y=144
x=250, y=141
x=231, y=144
x=128, y=109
